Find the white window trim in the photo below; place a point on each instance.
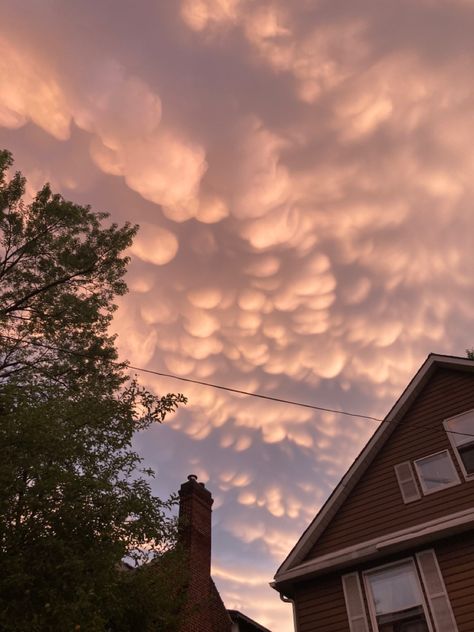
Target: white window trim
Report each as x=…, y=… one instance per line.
x=427, y=491
x=468, y=477
x=368, y=592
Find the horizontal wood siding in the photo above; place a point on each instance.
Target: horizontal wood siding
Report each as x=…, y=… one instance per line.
x=456, y=561
x=320, y=604
x=375, y=506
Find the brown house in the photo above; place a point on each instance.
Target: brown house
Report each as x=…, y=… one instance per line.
x=392, y=550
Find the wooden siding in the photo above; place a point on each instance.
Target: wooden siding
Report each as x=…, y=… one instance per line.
x=375, y=506
x=320, y=604
x=456, y=561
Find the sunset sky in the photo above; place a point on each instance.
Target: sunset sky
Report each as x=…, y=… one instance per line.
x=303, y=175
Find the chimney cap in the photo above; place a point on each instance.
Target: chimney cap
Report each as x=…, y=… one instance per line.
x=192, y=487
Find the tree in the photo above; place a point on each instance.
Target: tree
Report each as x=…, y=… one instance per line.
x=470, y=354
x=60, y=270
x=74, y=497
x=152, y=596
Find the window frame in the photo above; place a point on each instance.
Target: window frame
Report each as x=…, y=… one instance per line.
x=369, y=596
x=424, y=489
x=450, y=433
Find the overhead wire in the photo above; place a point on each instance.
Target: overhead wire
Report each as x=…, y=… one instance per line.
x=190, y=380
x=236, y=391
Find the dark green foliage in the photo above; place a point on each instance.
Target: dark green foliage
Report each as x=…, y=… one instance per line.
x=470, y=354
x=74, y=500
x=60, y=270
x=152, y=596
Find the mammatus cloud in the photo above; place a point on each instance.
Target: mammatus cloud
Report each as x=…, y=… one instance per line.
x=319, y=60
x=122, y=114
x=155, y=245
x=29, y=95
x=303, y=178
x=204, y=14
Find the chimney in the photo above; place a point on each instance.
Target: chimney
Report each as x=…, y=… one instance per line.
x=195, y=509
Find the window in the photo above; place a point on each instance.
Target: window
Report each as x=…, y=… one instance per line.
x=396, y=599
x=460, y=431
x=436, y=472
x=405, y=596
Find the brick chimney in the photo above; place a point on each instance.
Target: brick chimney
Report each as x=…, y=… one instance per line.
x=195, y=509
x=203, y=609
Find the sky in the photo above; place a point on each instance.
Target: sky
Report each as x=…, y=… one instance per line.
x=303, y=175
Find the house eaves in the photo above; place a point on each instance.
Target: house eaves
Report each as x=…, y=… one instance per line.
x=389, y=543
x=367, y=455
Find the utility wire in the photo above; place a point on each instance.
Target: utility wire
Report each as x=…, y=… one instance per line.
x=259, y=395
x=190, y=380
x=210, y=384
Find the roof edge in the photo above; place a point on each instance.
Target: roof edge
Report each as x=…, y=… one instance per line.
x=388, y=543
x=240, y=615
x=368, y=453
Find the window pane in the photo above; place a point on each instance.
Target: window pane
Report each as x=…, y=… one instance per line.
x=394, y=589
x=437, y=471
x=412, y=620
x=466, y=453
x=462, y=424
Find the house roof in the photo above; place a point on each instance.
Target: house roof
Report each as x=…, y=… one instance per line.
x=245, y=622
x=365, y=458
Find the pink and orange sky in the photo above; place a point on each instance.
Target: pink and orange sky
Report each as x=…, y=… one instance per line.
x=303, y=174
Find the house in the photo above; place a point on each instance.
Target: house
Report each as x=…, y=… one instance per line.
x=392, y=549
x=203, y=609
x=242, y=623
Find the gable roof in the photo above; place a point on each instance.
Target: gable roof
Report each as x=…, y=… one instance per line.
x=367, y=455
x=246, y=623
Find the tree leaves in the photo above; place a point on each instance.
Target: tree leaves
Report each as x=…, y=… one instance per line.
x=74, y=497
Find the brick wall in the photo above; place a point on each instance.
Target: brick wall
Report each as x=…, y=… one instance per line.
x=203, y=610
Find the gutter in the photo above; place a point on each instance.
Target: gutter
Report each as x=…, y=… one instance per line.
x=292, y=601
x=389, y=543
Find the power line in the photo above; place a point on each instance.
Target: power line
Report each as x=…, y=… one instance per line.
x=212, y=385
x=259, y=395
x=237, y=391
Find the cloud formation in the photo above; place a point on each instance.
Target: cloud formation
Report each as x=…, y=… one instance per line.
x=303, y=179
